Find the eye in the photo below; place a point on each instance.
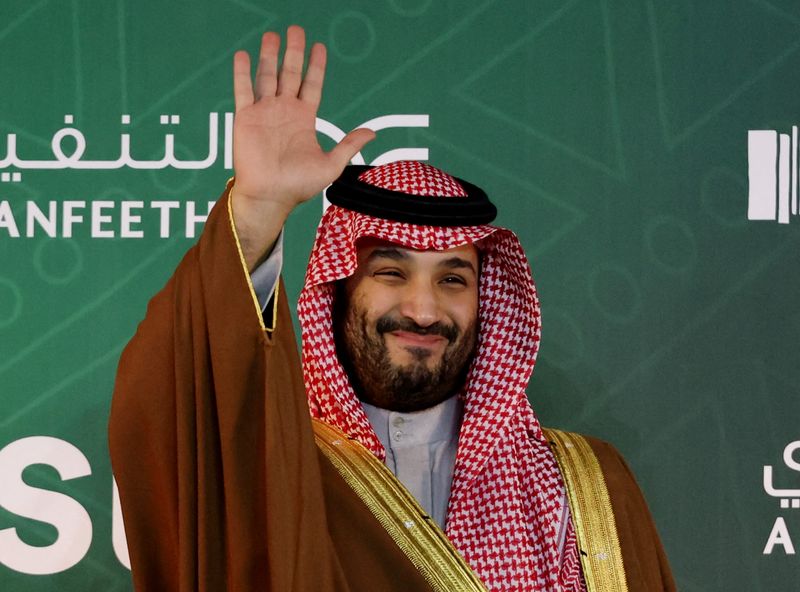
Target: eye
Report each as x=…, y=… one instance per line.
x=454, y=280
x=389, y=274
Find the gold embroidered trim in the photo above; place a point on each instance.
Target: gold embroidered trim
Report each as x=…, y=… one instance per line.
x=228, y=190
x=417, y=535
x=592, y=514
x=275, y=295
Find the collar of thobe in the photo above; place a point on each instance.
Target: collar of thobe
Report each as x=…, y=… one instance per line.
x=397, y=430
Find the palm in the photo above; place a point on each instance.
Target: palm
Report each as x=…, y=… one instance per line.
x=276, y=150
x=276, y=155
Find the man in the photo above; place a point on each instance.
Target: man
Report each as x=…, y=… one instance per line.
x=415, y=313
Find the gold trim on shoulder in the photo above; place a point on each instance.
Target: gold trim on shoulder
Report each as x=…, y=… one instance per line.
x=417, y=535
x=592, y=514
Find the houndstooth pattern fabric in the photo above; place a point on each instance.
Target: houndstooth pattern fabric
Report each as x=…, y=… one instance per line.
x=413, y=178
x=505, y=508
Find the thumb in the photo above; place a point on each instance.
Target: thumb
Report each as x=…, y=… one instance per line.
x=351, y=145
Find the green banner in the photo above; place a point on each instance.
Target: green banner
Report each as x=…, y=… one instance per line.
x=645, y=153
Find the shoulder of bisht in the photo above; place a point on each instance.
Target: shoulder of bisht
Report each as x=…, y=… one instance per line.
x=619, y=546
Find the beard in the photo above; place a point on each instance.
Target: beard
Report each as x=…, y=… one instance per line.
x=406, y=387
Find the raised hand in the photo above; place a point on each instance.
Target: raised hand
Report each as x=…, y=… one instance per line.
x=277, y=159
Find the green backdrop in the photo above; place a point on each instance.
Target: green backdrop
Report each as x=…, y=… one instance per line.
x=614, y=139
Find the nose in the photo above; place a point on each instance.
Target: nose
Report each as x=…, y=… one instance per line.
x=420, y=304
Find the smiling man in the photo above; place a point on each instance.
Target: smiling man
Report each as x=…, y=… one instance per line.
x=423, y=466
x=408, y=324
x=420, y=328
x=405, y=326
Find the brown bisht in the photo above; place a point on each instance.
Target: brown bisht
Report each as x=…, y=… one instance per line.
x=221, y=484
x=223, y=487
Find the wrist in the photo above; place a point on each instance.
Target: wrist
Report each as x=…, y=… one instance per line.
x=272, y=203
x=258, y=222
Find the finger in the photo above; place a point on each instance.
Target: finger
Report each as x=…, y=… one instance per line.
x=350, y=145
x=292, y=67
x=267, y=72
x=311, y=89
x=242, y=83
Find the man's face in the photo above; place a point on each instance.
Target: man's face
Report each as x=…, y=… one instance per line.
x=407, y=323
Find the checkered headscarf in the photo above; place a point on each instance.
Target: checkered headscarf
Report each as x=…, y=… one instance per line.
x=506, y=513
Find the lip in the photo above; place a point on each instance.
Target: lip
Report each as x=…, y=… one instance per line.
x=416, y=340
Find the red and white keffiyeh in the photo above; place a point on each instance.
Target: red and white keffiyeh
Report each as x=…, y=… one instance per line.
x=505, y=514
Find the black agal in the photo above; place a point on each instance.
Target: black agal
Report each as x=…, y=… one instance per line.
x=385, y=200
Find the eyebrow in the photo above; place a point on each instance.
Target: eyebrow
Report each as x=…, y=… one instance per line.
x=399, y=255
x=388, y=253
x=458, y=263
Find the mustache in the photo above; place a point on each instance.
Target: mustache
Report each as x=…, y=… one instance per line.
x=387, y=324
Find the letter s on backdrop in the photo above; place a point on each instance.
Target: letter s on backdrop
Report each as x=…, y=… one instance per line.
x=70, y=519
